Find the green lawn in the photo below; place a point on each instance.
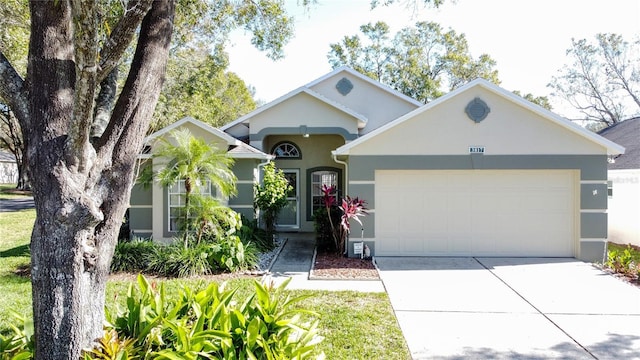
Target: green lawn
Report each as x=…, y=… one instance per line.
x=15, y=231
x=355, y=325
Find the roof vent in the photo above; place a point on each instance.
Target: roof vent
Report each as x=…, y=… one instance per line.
x=477, y=110
x=344, y=86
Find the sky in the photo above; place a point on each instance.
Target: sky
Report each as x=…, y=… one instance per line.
x=527, y=38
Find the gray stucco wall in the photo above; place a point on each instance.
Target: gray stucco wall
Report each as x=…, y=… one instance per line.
x=593, y=192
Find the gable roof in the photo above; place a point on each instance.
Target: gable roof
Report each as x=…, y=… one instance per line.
x=367, y=79
x=612, y=148
x=6, y=156
x=237, y=149
x=188, y=119
x=362, y=120
x=627, y=134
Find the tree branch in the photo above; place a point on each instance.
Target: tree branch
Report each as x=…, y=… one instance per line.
x=13, y=92
x=135, y=105
x=85, y=34
x=104, y=103
x=122, y=35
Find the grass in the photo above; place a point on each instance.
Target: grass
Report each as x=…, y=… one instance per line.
x=15, y=232
x=355, y=325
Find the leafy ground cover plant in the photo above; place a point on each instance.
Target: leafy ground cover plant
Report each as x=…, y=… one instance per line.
x=624, y=260
x=208, y=324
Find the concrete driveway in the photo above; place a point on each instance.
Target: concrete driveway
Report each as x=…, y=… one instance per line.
x=512, y=308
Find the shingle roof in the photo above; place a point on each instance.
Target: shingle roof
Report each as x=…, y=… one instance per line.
x=6, y=156
x=242, y=150
x=627, y=134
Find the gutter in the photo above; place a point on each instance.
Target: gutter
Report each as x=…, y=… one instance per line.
x=346, y=171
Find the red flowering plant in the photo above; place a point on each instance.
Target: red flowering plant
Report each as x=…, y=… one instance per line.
x=350, y=209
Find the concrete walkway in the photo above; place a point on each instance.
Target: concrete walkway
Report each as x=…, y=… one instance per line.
x=295, y=259
x=8, y=205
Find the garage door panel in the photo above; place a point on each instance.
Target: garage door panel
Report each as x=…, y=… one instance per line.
x=476, y=212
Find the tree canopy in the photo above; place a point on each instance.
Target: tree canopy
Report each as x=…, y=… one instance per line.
x=82, y=137
x=423, y=62
x=199, y=85
x=602, y=80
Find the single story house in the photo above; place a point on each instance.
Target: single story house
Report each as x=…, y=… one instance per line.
x=8, y=168
x=477, y=172
x=624, y=179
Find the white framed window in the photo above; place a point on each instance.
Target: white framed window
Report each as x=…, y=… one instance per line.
x=286, y=150
x=318, y=180
x=177, y=200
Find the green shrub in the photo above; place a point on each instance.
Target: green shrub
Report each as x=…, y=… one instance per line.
x=208, y=324
x=185, y=262
x=622, y=261
x=230, y=254
x=249, y=232
x=133, y=256
x=324, y=232
x=271, y=197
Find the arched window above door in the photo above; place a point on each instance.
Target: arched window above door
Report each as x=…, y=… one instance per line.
x=286, y=150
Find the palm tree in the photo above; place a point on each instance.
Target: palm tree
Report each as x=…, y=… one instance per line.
x=195, y=162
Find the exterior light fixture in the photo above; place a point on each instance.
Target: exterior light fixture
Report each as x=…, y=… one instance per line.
x=303, y=131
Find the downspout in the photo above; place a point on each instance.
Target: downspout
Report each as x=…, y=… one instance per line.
x=346, y=171
x=346, y=183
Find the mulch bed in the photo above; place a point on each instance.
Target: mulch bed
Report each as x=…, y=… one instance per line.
x=333, y=266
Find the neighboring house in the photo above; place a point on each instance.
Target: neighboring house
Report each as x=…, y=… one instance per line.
x=477, y=172
x=624, y=177
x=8, y=168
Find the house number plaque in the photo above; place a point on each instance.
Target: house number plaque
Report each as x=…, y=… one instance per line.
x=476, y=149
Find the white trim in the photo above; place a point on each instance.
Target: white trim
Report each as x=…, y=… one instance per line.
x=593, y=211
x=612, y=148
x=593, y=182
x=250, y=156
x=245, y=182
x=187, y=119
x=362, y=182
x=142, y=230
x=140, y=206
x=362, y=120
x=297, y=200
x=241, y=206
x=593, y=239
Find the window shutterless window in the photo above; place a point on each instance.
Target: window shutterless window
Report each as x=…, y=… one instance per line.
x=177, y=201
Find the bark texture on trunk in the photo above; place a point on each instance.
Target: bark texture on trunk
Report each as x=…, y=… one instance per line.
x=81, y=190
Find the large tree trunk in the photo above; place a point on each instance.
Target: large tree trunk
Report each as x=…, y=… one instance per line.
x=81, y=190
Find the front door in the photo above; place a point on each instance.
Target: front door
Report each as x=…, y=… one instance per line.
x=289, y=217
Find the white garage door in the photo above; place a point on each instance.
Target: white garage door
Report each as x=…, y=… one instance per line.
x=475, y=213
